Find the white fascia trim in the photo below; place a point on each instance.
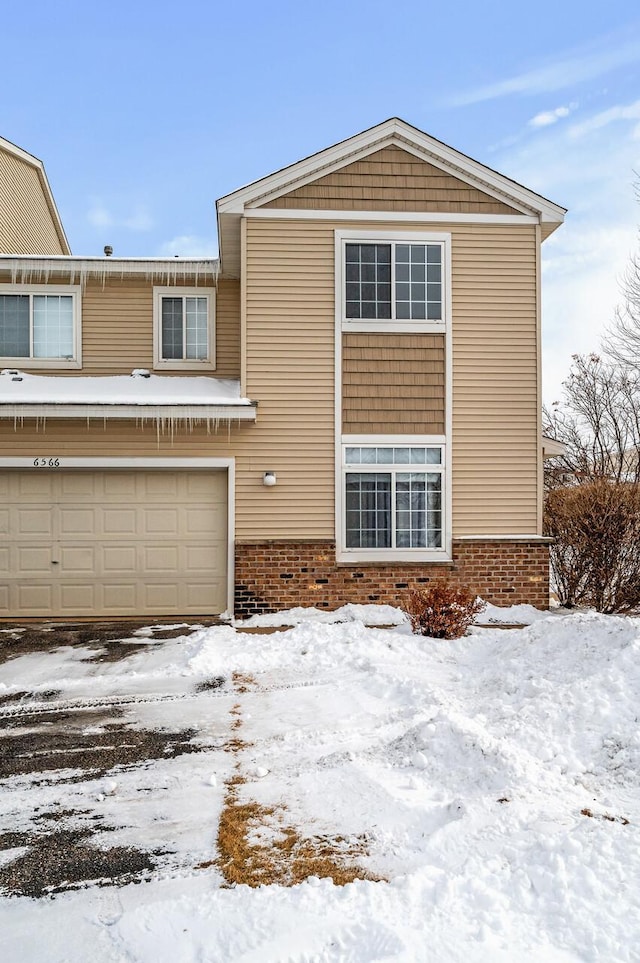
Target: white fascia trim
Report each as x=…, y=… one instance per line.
x=396, y=132
x=20, y=153
x=97, y=265
x=137, y=412
x=477, y=175
x=424, y=155
x=20, y=461
x=300, y=172
x=153, y=464
x=503, y=538
x=419, y=217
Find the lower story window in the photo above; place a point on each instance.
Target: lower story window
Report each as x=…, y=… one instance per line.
x=396, y=501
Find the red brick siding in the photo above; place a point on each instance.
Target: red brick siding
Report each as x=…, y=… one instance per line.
x=279, y=575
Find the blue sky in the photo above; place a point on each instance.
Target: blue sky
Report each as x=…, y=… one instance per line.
x=144, y=114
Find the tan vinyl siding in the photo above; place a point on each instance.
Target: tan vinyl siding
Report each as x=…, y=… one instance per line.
x=290, y=372
x=257, y=512
x=495, y=389
x=391, y=179
x=228, y=329
x=117, y=327
x=27, y=225
x=393, y=384
x=290, y=323
x=290, y=330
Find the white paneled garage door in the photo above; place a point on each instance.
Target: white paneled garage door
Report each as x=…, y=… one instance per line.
x=113, y=542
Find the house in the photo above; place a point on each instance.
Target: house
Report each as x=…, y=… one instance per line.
x=347, y=403
x=29, y=219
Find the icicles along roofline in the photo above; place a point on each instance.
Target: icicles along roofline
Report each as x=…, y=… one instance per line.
x=169, y=271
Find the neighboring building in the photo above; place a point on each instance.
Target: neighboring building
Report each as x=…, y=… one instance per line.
x=29, y=219
x=369, y=341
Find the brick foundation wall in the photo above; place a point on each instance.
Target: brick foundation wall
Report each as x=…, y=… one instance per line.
x=279, y=575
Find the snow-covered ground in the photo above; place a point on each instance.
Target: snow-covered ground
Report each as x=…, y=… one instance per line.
x=492, y=782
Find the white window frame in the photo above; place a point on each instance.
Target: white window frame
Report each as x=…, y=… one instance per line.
x=394, y=237
x=184, y=364
x=384, y=555
x=67, y=290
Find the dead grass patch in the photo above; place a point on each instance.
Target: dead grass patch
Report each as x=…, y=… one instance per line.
x=256, y=847
x=243, y=682
x=606, y=816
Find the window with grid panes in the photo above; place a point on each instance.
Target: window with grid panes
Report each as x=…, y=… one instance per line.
x=395, y=280
x=393, y=497
x=37, y=325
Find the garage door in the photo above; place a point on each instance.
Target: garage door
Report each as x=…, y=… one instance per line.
x=113, y=542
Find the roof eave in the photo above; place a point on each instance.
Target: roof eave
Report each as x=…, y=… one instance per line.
x=140, y=412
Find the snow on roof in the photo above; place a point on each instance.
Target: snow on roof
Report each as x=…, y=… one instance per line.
x=138, y=388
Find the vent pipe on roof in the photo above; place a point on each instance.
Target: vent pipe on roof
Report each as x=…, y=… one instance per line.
x=108, y=250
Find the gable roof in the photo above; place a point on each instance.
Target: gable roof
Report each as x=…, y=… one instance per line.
x=392, y=132
x=25, y=157
x=399, y=133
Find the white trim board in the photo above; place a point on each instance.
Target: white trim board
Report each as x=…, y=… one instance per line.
x=136, y=412
x=502, y=538
x=418, y=217
x=432, y=556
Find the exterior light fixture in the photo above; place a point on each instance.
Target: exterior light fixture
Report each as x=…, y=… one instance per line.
x=269, y=479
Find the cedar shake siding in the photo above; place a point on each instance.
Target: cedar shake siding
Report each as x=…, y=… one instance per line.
x=391, y=179
x=393, y=384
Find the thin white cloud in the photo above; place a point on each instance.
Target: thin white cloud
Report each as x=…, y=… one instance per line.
x=140, y=220
x=577, y=66
x=589, y=168
x=606, y=117
x=189, y=245
x=547, y=117
x=100, y=216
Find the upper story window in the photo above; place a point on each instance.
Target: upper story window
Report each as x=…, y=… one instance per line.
x=40, y=326
x=393, y=281
x=184, y=328
x=385, y=281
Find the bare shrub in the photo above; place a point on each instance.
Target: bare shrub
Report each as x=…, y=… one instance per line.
x=595, y=559
x=442, y=611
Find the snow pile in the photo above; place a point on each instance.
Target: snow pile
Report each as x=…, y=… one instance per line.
x=495, y=781
x=513, y=615
x=18, y=387
x=368, y=614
